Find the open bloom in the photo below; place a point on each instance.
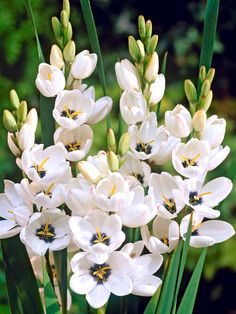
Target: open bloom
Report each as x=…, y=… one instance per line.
x=98, y=281
x=206, y=233
x=127, y=75
x=97, y=233
x=178, y=121
x=77, y=142
x=164, y=237
x=83, y=65
x=46, y=230
x=214, y=131
x=50, y=80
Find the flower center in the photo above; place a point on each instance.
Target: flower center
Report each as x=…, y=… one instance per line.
x=49, y=76
x=169, y=204
x=146, y=148
x=165, y=240
x=138, y=176
x=40, y=168
x=195, y=198
x=100, y=237
x=46, y=233
x=187, y=162
x=100, y=272
x=48, y=192
x=73, y=146
x=113, y=191
x=71, y=114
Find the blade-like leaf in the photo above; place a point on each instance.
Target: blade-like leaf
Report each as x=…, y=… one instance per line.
x=188, y=300
x=163, y=71
x=93, y=38
x=152, y=304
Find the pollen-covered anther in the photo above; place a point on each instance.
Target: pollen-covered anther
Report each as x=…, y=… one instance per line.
x=187, y=162
x=70, y=147
x=46, y=232
x=40, y=168
x=71, y=114
x=100, y=237
x=100, y=272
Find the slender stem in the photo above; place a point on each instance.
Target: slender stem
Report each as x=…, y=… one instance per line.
x=102, y=310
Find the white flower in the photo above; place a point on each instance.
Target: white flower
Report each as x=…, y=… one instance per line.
x=32, y=119
x=45, y=166
x=46, y=230
x=136, y=172
x=77, y=142
x=157, y=90
x=83, y=65
x=191, y=159
x=100, y=162
x=97, y=233
x=15, y=209
x=146, y=140
x=143, y=268
x=203, y=198
x=214, y=131
x=152, y=68
x=24, y=138
x=133, y=107
x=164, y=191
x=206, y=233
x=101, y=109
x=217, y=156
x=99, y=281
x=50, y=80
x=178, y=121
x=89, y=172
x=127, y=75
x=165, y=236
x=72, y=109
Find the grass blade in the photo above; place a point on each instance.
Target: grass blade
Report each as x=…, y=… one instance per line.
x=163, y=71
x=188, y=300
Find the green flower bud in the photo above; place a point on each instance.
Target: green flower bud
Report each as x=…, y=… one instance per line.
x=64, y=18
x=202, y=73
x=111, y=140
x=69, y=32
x=113, y=161
x=190, y=91
x=152, y=44
x=66, y=7
x=14, y=99
x=208, y=100
x=199, y=120
x=133, y=48
x=124, y=144
x=206, y=86
x=22, y=111
x=9, y=121
x=69, y=51
x=57, y=27
x=141, y=48
x=148, y=29
x=210, y=75
x=141, y=27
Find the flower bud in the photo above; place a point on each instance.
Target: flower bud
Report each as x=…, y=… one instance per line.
x=66, y=7
x=148, y=29
x=141, y=48
x=152, y=44
x=141, y=27
x=57, y=28
x=190, y=91
x=208, y=100
x=205, y=89
x=214, y=131
x=133, y=48
x=9, y=121
x=32, y=119
x=111, y=140
x=199, y=120
x=69, y=51
x=14, y=99
x=83, y=65
x=152, y=68
x=210, y=75
x=56, y=57
x=22, y=111
x=113, y=161
x=202, y=73
x=178, y=121
x=127, y=75
x=64, y=18
x=124, y=144
x=157, y=90
x=89, y=172
x=69, y=32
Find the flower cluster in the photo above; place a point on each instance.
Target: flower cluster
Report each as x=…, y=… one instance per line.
x=116, y=193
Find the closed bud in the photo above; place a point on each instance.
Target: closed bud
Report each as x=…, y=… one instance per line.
x=56, y=57
x=111, y=140
x=124, y=144
x=199, y=120
x=22, y=111
x=141, y=48
x=113, y=161
x=202, y=73
x=133, y=48
x=9, y=121
x=208, y=100
x=141, y=27
x=210, y=75
x=57, y=28
x=89, y=172
x=152, y=68
x=190, y=91
x=148, y=29
x=69, y=51
x=69, y=32
x=204, y=90
x=14, y=99
x=66, y=7
x=32, y=119
x=152, y=44
x=64, y=18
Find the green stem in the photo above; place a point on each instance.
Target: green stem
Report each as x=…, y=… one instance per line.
x=102, y=310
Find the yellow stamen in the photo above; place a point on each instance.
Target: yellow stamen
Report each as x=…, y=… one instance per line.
x=73, y=146
x=100, y=238
x=196, y=227
x=73, y=114
x=45, y=231
x=205, y=193
x=48, y=191
x=40, y=166
x=190, y=162
x=101, y=272
x=168, y=202
x=49, y=76
x=113, y=191
x=165, y=240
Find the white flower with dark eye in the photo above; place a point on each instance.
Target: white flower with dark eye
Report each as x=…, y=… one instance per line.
x=15, y=209
x=45, y=166
x=136, y=172
x=164, y=190
x=191, y=159
x=98, y=281
x=146, y=140
x=50, y=80
x=143, y=268
x=72, y=109
x=22, y=140
x=206, y=233
x=127, y=75
x=178, y=121
x=46, y=230
x=164, y=237
x=97, y=233
x=83, y=65
x=203, y=198
x=214, y=131
x=133, y=107
x=77, y=142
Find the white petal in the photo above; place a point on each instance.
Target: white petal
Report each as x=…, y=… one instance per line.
x=119, y=284
x=216, y=229
x=98, y=296
x=82, y=284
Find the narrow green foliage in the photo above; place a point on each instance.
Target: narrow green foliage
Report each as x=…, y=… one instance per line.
x=163, y=71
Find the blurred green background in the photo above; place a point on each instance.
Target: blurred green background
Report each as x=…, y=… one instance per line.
x=179, y=25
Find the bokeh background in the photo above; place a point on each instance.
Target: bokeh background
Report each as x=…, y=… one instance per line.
x=179, y=25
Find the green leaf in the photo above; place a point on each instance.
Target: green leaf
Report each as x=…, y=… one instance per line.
x=152, y=304
x=93, y=38
x=51, y=302
x=21, y=282
x=163, y=71
x=188, y=300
